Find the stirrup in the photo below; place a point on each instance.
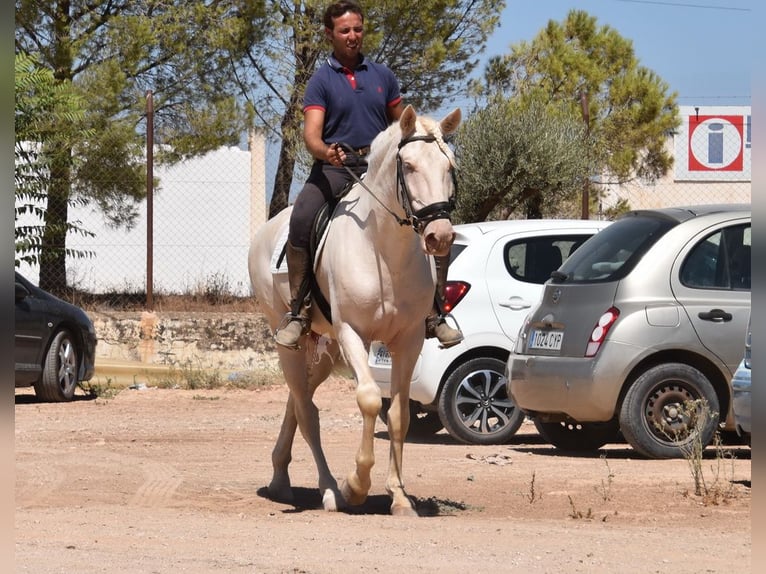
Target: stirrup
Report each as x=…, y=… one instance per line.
x=287, y=320
x=432, y=324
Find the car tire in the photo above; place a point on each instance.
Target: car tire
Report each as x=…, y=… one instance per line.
x=60, y=370
x=578, y=437
x=474, y=405
x=423, y=423
x=652, y=416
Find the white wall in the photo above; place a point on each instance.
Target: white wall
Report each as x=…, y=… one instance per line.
x=202, y=229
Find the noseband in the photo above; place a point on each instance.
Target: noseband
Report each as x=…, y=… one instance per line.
x=422, y=217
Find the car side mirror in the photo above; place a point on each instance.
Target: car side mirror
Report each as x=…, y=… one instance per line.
x=21, y=292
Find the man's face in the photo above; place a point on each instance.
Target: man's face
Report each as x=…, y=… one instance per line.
x=346, y=36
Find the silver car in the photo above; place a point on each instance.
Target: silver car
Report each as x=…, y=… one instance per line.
x=639, y=332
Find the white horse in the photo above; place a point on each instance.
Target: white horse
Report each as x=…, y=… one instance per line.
x=376, y=272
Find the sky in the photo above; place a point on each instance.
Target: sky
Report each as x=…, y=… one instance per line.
x=701, y=48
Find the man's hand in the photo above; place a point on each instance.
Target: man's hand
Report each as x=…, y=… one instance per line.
x=335, y=155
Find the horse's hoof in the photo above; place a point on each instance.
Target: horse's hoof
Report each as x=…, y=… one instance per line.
x=352, y=497
x=329, y=501
x=281, y=492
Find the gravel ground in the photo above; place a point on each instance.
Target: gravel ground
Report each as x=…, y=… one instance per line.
x=165, y=481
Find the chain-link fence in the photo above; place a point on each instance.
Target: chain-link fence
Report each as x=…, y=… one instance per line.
x=206, y=209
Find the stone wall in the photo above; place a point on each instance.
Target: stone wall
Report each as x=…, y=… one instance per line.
x=232, y=342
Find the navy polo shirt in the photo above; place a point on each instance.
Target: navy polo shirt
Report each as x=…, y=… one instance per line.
x=354, y=101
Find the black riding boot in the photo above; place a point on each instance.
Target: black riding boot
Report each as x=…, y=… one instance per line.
x=436, y=323
x=297, y=321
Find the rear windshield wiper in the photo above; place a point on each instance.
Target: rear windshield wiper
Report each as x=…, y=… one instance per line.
x=558, y=276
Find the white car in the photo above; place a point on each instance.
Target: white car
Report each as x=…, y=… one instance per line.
x=496, y=275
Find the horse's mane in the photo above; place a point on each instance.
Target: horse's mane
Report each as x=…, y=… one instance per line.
x=393, y=134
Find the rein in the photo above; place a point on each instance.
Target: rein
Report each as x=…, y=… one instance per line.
x=419, y=219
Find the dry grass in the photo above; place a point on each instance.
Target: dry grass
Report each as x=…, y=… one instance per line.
x=168, y=303
x=211, y=294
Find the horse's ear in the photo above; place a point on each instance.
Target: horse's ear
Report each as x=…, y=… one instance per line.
x=450, y=123
x=407, y=121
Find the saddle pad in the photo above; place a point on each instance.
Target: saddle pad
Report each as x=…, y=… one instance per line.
x=278, y=259
x=278, y=262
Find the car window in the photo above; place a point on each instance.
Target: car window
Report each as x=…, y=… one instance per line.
x=720, y=261
x=456, y=250
x=534, y=259
x=614, y=251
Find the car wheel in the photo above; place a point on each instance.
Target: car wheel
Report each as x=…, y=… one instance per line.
x=60, y=370
x=474, y=405
x=664, y=411
x=423, y=423
x=578, y=437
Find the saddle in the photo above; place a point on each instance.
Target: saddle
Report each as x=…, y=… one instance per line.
x=318, y=233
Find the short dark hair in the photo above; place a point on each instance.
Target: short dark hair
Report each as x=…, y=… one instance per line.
x=337, y=9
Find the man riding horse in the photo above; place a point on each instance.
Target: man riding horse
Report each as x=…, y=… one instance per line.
x=349, y=99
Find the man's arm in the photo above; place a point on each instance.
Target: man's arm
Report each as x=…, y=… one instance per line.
x=394, y=112
x=313, y=125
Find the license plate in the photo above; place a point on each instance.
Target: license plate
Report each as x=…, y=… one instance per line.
x=546, y=340
x=379, y=354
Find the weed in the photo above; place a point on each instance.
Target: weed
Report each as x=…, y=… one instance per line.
x=532, y=496
x=606, y=486
x=98, y=390
x=577, y=514
x=716, y=487
x=196, y=376
x=253, y=379
x=189, y=376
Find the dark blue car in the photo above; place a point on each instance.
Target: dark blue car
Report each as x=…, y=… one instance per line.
x=55, y=343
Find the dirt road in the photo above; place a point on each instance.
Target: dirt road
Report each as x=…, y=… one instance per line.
x=166, y=481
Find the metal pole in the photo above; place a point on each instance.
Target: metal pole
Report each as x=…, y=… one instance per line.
x=149, y=201
x=586, y=187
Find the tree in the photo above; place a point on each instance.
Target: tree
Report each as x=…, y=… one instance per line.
x=432, y=47
x=46, y=112
x=629, y=109
x=112, y=52
x=520, y=156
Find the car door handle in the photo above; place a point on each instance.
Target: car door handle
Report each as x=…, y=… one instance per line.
x=715, y=315
x=516, y=303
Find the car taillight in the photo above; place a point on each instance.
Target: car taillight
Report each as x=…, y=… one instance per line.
x=454, y=291
x=598, y=334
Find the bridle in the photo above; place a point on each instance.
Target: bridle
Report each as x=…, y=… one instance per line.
x=422, y=217
x=419, y=219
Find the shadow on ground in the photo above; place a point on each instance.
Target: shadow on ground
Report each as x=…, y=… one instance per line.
x=377, y=504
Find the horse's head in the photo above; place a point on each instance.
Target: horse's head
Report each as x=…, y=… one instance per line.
x=426, y=177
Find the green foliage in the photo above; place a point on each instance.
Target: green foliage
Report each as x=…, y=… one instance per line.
x=630, y=112
x=48, y=117
x=432, y=46
x=113, y=52
x=520, y=157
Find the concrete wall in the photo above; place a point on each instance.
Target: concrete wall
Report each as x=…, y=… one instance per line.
x=140, y=347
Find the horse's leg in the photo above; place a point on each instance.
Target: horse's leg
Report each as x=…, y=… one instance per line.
x=357, y=484
x=303, y=379
x=402, y=364
x=279, y=487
